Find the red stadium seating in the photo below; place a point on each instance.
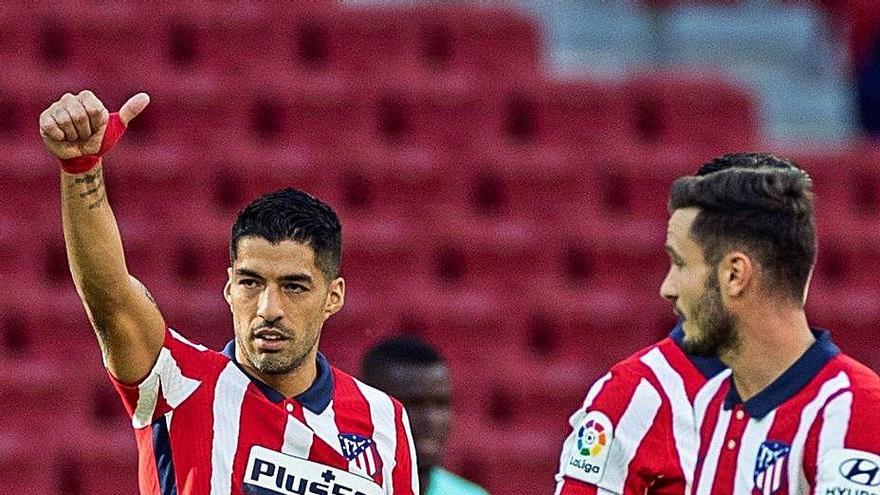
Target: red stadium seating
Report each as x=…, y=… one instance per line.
x=700, y=111
x=513, y=219
x=578, y=114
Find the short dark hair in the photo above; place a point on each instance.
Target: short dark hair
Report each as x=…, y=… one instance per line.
x=759, y=203
x=291, y=214
x=406, y=350
x=745, y=160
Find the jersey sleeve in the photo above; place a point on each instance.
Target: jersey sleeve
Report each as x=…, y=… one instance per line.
x=607, y=431
x=404, y=475
x=847, y=458
x=179, y=370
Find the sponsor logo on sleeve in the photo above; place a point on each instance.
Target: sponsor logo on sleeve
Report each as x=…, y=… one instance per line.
x=590, y=451
x=273, y=473
x=848, y=472
x=771, y=467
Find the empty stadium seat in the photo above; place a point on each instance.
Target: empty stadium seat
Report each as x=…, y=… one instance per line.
x=581, y=115
x=692, y=111
x=488, y=42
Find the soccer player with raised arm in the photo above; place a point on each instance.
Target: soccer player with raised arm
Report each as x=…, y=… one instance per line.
x=795, y=416
x=269, y=414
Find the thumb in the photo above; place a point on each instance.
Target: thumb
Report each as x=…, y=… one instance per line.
x=133, y=107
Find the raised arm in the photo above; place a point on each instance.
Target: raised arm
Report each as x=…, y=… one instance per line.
x=129, y=326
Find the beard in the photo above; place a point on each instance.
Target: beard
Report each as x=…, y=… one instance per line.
x=716, y=327
x=278, y=363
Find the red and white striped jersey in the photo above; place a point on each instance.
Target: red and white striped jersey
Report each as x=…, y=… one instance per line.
x=815, y=430
x=635, y=432
x=204, y=426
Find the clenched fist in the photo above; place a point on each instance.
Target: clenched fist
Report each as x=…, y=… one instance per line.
x=74, y=126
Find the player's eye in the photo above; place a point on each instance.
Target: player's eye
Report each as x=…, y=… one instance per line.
x=294, y=288
x=247, y=283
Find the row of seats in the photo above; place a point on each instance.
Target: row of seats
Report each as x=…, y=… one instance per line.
x=579, y=259
x=151, y=188
x=698, y=112
x=426, y=41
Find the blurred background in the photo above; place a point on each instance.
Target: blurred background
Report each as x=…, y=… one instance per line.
x=501, y=170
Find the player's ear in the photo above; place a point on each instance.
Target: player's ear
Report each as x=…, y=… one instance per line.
x=736, y=272
x=335, y=297
x=227, y=289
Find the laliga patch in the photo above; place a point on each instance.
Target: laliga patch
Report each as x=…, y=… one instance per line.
x=273, y=473
x=592, y=441
x=849, y=472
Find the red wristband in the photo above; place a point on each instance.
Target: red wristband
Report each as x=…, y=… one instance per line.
x=77, y=165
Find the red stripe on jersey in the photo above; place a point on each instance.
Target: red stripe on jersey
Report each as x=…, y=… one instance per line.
x=354, y=415
x=268, y=433
x=192, y=423
x=575, y=487
x=402, y=475
x=148, y=474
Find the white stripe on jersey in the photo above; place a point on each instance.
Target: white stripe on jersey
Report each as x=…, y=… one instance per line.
x=683, y=428
x=148, y=395
x=298, y=438
x=836, y=423
x=754, y=435
x=710, y=463
x=165, y=375
x=634, y=423
x=796, y=475
x=705, y=395
x=324, y=425
x=382, y=417
x=186, y=341
x=228, y=398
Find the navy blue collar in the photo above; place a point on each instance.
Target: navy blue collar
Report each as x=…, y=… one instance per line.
x=316, y=398
x=792, y=381
x=708, y=366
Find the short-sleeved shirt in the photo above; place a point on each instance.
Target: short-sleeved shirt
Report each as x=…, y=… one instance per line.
x=204, y=426
x=442, y=482
x=636, y=431
x=814, y=430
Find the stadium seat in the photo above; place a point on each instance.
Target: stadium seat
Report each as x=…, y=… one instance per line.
x=483, y=41
x=581, y=115
x=692, y=111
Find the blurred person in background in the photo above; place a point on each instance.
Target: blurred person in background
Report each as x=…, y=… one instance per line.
x=269, y=413
x=414, y=373
x=795, y=415
x=644, y=406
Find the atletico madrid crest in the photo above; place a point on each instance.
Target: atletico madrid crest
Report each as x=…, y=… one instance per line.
x=361, y=451
x=770, y=467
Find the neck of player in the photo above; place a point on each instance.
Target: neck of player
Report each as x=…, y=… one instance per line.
x=294, y=382
x=770, y=340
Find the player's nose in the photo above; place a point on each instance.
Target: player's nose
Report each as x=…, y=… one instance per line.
x=270, y=306
x=668, y=290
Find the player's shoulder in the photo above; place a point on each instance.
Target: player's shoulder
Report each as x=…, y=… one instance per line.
x=182, y=349
x=636, y=362
x=863, y=381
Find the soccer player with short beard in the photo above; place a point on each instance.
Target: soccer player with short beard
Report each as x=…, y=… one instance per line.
x=267, y=415
x=795, y=416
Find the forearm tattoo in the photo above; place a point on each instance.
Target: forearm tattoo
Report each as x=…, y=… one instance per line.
x=91, y=187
